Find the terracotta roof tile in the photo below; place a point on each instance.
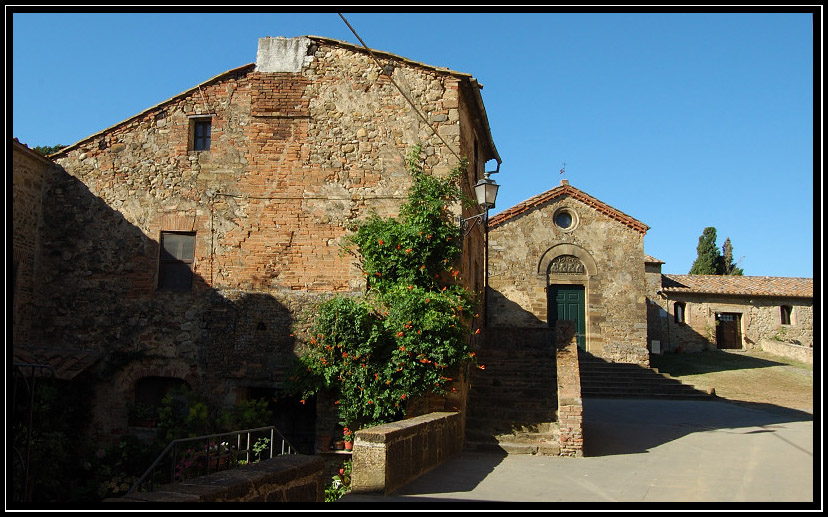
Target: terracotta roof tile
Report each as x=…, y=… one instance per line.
x=739, y=285
x=565, y=189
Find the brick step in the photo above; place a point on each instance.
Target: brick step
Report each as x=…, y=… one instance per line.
x=494, y=414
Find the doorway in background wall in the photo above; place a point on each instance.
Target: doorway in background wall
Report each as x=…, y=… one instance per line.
x=295, y=419
x=728, y=330
x=567, y=302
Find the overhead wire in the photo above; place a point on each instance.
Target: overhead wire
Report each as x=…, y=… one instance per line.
x=405, y=95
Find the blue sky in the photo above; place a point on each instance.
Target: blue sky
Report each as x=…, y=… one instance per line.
x=680, y=120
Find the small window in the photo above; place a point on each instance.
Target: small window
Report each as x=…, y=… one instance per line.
x=175, y=270
x=201, y=133
x=678, y=312
x=565, y=219
x=785, y=314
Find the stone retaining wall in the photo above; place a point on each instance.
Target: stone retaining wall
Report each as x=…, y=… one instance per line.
x=388, y=456
x=292, y=478
x=789, y=350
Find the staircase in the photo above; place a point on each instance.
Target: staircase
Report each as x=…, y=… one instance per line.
x=513, y=401
x=602, y=379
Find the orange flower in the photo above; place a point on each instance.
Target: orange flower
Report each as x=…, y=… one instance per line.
x=381, y=242
x=302, y=401
x=482, y=366
x=477, y=331
x=409, y=250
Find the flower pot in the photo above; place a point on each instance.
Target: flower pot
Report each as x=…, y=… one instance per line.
x=349, y=446
x=323, y=442
x=339, y=445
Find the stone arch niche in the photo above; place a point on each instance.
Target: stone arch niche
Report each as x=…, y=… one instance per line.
x=566, y=270
x=566, y=260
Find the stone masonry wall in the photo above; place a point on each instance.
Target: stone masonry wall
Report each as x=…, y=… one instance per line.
x=388, y=456
x=29, y=169
x=295, y=160
x=760, y=320
x=613, y=255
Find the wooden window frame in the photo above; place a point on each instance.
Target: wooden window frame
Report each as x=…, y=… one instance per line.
x=170, y=265
x=201, y=143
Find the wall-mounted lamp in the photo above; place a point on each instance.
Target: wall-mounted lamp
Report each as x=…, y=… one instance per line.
x=485, y=191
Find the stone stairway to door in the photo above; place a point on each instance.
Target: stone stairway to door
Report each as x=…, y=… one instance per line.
x=513, y=403
x=603, y=379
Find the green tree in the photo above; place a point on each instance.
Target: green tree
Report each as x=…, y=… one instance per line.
x=46, y=150
x=728, y=266
x=708, y=259
x=409, y=334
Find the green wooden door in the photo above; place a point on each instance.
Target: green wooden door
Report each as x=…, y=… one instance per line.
x=567, y=302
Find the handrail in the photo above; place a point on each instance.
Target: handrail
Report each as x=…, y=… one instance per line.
x=222, y=451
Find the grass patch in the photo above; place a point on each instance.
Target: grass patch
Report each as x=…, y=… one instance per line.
x=710, y=361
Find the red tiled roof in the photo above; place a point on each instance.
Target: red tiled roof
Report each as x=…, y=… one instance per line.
x=565, y=189
x=739, y=285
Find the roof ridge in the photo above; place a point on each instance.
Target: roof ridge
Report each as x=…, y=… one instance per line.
x=562, y=189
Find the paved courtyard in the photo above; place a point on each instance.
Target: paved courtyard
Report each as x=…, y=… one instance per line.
x=643, y=451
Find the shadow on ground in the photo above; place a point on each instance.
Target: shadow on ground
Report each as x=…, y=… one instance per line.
x=637, y=426
x=707, y=361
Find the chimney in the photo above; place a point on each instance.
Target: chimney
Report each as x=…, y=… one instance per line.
x=282, y=54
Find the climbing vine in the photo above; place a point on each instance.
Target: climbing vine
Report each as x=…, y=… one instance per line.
x=409, y=334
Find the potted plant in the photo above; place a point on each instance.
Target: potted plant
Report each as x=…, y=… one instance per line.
x=347, y=438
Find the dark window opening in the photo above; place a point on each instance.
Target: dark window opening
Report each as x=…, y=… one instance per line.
x=679, y=310
x=149, y=396
x=175, y=271
x=785, y=314
x=202, y=131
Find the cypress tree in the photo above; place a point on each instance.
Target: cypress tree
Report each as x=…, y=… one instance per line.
x=708, y=260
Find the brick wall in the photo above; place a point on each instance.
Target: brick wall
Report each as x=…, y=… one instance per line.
x=28, y=172
x=295, y=160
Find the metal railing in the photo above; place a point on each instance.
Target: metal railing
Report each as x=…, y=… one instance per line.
x=201, y=455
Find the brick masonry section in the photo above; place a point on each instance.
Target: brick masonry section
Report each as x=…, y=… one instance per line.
x=570, y=404
x=388, y=456
x=293, y=478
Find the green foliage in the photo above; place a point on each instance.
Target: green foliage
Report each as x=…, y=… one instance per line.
x=46, y=150
x=340, y=483
x=410, y=333
x=708, y=259
x=728, y=266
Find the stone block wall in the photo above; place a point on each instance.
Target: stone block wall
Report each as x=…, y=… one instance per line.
x=296, y=157
x=29, y=170
x=388, y=456
x=290, y=478
x=760, y=320
x=612, y=254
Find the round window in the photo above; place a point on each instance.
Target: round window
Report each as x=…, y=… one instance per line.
x=563, y=219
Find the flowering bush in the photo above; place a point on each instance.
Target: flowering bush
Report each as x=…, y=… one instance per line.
x=409, y=335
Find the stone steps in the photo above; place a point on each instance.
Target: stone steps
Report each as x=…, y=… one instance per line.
x=619, y=380
x=510, y=410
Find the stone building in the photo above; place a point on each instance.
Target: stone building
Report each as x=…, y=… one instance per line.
x=708, y=312
x=189, y=243
x=565, y=255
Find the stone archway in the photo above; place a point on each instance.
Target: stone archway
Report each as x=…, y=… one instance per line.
x=568, y=269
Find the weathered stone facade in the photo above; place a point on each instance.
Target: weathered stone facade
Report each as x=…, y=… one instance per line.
x=755, y=304
x=601, y=249
x=29, y=174
x=304, y=143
